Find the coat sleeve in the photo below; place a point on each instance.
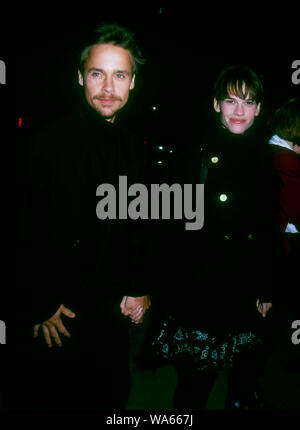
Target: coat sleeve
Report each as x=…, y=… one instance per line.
x=138, y=231
x=40, y=300
x=271, y=248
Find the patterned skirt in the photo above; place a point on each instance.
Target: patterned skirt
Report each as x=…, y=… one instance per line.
x=207, y=350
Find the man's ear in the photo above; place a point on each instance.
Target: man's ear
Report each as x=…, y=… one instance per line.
x=80, y=78
x=216, y=105
x=132, y=82
x=257, y=109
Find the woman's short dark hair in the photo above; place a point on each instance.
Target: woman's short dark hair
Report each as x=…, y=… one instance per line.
x=116, y=35
x=286, y=121
x=239, y=81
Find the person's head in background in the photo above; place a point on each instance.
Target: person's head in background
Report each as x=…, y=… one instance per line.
x=107, y=69
x=237, y=98
x=286, y=123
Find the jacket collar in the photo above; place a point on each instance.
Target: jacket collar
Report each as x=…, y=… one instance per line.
x=276, y=140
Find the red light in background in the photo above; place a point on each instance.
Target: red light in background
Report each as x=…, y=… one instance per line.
x=145, y=142
x=20, y=121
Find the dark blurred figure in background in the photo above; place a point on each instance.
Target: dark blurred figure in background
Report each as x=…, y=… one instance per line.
x=284, y=154
x=81, y=277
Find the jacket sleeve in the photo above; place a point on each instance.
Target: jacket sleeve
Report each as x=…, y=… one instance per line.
x=271, y=249
x=40, y=300
x=138, y=231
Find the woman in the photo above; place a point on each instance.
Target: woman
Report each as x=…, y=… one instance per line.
x=220, y=295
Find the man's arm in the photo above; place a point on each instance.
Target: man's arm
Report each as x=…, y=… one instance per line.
x=34, y=231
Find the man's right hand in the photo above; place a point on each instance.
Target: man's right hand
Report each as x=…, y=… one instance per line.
x=135, y=307
x=53, y=328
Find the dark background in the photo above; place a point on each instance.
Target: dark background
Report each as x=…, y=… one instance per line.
x=185, y=49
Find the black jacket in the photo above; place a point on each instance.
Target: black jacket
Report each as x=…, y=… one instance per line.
x=235, y=258
x=68, y=255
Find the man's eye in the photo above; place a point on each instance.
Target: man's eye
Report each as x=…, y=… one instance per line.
x=229, y=101
x=96, y=74
x=250, y=102
x=120, y=75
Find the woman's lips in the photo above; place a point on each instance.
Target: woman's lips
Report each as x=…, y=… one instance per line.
x=237, y=121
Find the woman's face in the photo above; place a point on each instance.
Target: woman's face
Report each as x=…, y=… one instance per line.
x=237, y=114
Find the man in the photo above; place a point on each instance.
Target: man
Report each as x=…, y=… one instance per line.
x=226, y=265
x=84, y=275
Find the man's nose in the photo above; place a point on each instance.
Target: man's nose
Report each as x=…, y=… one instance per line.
x=108, y=84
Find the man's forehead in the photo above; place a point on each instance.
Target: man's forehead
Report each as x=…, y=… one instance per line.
x=109, y=54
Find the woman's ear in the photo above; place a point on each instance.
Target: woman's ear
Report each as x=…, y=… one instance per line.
x=257, y=109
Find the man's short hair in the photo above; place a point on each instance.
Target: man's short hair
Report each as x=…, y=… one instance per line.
x=239, y=81
x=117, y=35
x=286, y=121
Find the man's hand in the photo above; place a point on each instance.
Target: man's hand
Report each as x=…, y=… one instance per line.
x=263, y=308
x=53, y=327
x=135, y=307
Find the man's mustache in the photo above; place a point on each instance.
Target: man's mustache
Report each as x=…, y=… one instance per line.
x=106, y=96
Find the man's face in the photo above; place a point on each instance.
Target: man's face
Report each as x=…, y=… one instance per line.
x=237, y=114
x=107, y=79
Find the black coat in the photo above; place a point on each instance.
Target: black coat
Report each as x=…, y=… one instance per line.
x=235, y=258
x=68, y=255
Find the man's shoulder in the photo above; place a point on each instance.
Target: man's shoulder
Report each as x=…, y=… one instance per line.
x=47, y=128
